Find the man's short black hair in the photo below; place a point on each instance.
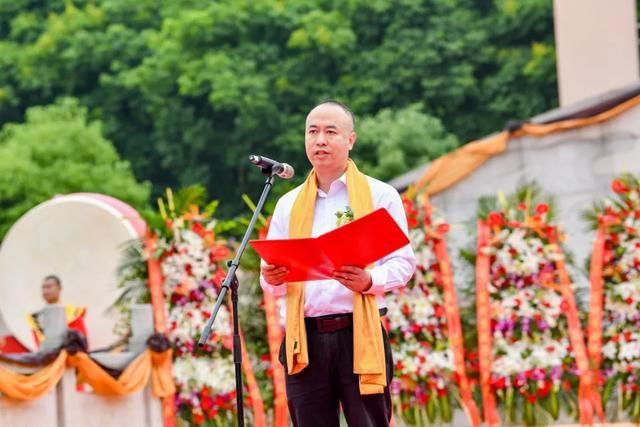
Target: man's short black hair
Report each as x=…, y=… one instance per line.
x=341, y=105
x=55, y=279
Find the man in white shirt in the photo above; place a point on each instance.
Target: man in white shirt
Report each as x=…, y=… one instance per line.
x=316, y=390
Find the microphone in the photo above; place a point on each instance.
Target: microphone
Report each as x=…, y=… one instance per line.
x=283, y=170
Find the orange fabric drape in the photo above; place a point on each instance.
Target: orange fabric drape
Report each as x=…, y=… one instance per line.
x=455, y=331
x=588, y=395
x=162, y=384
x=594, y=346
x=275, y=335
x=451, y=168
x=29, y=387
x=154, y=270
x=483, y=313
x=134, y=378
x=257, y=405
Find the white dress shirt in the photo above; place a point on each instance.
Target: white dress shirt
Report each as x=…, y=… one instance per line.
x=323, y=297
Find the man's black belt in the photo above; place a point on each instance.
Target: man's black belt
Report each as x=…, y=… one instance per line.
x=333, y=322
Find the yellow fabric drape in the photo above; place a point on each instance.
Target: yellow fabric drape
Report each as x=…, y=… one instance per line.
x=451, y=168
x=134, y=378
x=369, y=359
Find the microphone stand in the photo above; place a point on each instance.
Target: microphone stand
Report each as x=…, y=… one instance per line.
x=231, y=282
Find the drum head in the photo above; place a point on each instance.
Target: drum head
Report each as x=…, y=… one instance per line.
x=79, y=238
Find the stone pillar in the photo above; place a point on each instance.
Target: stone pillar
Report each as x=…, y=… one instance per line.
x=596, y=47
x=141, y=327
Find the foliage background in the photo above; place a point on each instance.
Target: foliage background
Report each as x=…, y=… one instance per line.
x=186, y=89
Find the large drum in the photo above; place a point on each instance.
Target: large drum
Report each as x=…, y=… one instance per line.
x=78, y=237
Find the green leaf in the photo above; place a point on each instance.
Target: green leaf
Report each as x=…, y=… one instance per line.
x=529, y=414
x=554, y=404
x=432, y=407
x=445, y=408
x=608, y=389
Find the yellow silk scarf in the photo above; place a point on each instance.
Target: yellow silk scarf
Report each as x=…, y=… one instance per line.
x=368, y=347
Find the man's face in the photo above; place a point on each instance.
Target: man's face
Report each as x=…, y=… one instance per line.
x=329, y=137
x=51, y=291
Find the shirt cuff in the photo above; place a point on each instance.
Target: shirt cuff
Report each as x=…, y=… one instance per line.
x=276, y=291
x=378, y=281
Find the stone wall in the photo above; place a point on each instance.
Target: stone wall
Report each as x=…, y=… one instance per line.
x=575, y=166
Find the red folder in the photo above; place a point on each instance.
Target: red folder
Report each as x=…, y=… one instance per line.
x=358, y=243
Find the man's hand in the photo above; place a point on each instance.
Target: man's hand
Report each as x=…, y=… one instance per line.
x=274, y=274
x=355, y=278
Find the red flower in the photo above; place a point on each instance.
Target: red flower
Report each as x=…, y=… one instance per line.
x=544, y=390
x=519, y=381
x=496, y=219
x=206, y=402
x=412, y=221
x=262, y=231
x=220, y=401
x=411, y=212
x=197, y=228
x=542, y=208
x=500, y=383
x=422, y=399
x=619, y=187
x=198, y=418
x=522, y=207
x=219, y=253
x=212, y=414
x=443, y=228
x=406, y=310
x=550, y=231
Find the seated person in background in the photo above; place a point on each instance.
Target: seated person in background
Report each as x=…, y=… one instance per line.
x=51, y=290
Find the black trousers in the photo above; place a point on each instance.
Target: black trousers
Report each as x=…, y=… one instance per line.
x=315, y=394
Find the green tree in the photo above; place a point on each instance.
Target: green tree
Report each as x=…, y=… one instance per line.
x=520, y=81
x=393, y=141
x=186, y=89
x=58, y=151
